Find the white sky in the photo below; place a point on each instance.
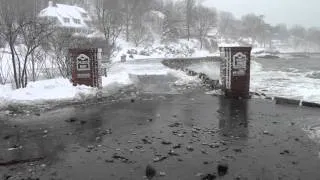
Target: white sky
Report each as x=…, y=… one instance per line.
x=291, y=12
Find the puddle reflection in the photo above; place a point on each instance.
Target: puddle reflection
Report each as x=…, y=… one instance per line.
x=33, y=142
x=233, y=117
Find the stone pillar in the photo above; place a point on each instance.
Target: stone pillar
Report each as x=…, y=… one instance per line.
x=235, y=71
x=86, y=67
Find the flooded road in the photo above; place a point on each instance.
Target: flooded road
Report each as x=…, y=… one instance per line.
x=180, y=131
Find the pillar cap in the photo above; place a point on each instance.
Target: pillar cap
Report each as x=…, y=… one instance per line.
x=241, y=48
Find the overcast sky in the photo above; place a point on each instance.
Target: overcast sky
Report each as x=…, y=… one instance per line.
x=291, y=12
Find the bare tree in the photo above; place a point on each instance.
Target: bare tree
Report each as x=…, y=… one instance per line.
x=57, y=45
x=299, y=34
x=265, y=35
x=37, y=63
x=130, y=8
x=253, y=26
x=313, y=35
x=4, y=69
x=134, y=11
x=10, y=29
x=141, y=34
x=280, y=31
x=173, y=23
x=298, y=31
x=190, y=5
x=226, y=23
x=23, y=32
x=109, y=22
x=33, y=34
x=206, y=19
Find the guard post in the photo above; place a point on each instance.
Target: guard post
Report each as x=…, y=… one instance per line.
x=86, y=67
x=235, y=71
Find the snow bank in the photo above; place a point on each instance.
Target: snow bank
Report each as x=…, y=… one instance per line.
x=211, y=69
x=183, y=78
x=202, y=53
x=227, y=42
x=61, y=89
x=53, y=89
x=117, y=75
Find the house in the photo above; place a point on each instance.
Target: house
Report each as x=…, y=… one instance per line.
x=73, y=19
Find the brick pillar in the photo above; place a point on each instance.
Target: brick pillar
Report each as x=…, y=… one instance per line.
x=235, y=71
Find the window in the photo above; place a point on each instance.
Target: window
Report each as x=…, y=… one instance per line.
x=77, y=21
x=51, y=19
x=88, y=23
x=84, y=15
x=66, y=20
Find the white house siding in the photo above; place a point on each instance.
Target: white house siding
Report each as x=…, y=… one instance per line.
x=69, y=17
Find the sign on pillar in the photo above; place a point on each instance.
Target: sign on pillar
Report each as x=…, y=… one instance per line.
x=86, y=67
x=235, y=71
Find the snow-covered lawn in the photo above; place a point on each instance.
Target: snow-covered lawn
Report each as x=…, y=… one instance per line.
x=60, y=89
x=119, y=74
x=53, y=89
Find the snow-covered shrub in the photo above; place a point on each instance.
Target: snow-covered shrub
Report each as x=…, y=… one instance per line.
x=132, y=51
x=144, y=52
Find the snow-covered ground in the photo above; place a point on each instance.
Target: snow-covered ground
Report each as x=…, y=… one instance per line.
x=211, y=69
x=138, y=63
x=119, y=74
x=59, y=89
x=181, y=48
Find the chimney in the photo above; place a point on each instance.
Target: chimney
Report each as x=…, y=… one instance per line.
x=52, y=3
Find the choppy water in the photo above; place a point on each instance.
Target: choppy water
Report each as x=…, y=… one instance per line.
x=293, y=77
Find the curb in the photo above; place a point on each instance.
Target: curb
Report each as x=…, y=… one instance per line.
x=310, y=104
x=289, y=101
x=281, y=100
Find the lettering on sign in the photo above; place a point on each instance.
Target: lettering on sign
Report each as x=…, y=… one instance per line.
x=222, y=53
x=87, y=75
x=228, y=69
x=239, y=64
x=83, y=63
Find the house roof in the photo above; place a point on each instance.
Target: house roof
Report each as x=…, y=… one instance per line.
x=158, y=14
x=62, y=11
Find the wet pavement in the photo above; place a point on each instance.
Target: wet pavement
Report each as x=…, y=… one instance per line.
x=181, y=131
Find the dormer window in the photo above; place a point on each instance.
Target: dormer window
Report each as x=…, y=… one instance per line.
x=66, y=20
x=77, y=21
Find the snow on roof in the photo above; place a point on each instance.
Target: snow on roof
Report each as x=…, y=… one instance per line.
x=67, y=15
x=213, y=31
x=158, y=14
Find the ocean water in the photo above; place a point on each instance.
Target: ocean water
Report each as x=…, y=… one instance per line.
x=297, y=78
